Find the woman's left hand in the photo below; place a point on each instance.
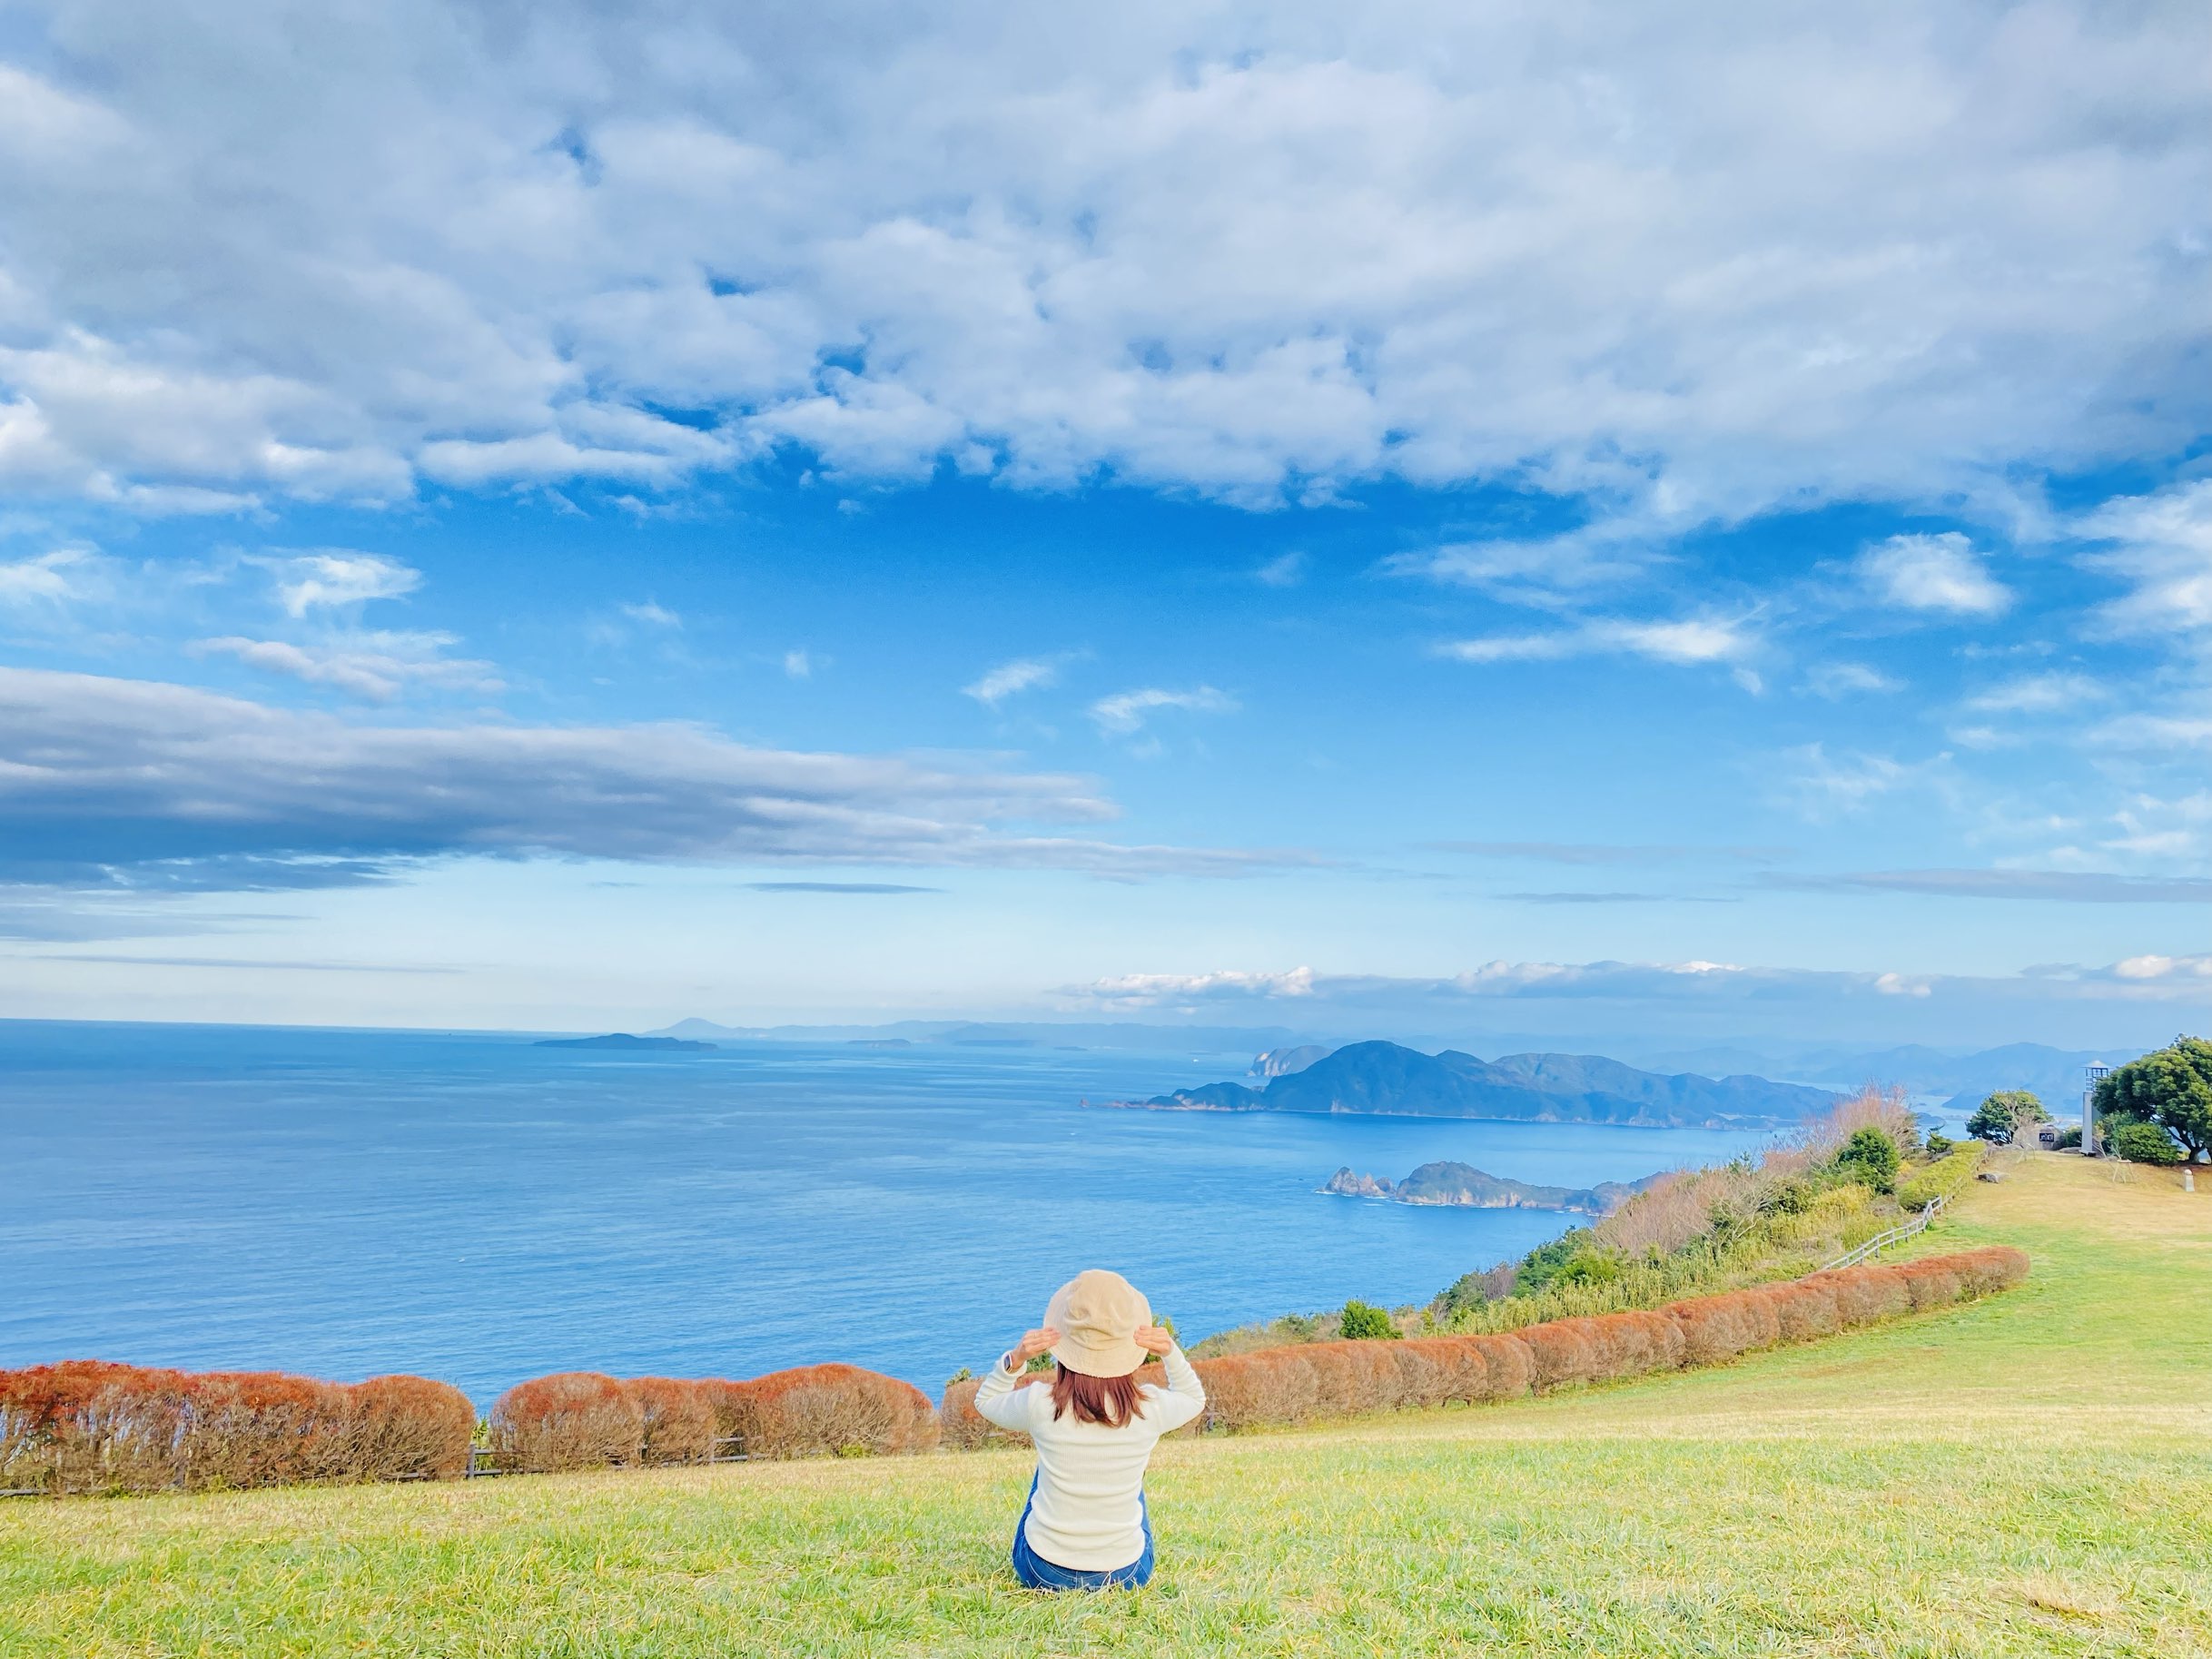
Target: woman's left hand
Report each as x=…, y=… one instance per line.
x=1155, y=1339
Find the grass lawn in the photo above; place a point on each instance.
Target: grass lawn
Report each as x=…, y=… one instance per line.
x=2025, y=1476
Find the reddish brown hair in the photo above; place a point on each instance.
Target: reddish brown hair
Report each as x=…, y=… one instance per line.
x=1111, y=1400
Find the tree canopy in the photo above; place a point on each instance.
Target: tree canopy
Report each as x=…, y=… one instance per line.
x=2171, y=1089
x=1998, y=1117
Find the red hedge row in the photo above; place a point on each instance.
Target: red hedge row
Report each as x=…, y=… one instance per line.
x=1323, y=1379
x=87, y=1426
x=90, y=1427
x=581, y=1419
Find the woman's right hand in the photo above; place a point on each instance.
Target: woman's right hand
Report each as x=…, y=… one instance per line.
x=1033, y=1343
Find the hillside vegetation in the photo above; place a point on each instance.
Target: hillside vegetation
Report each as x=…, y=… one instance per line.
x=2025, y=1476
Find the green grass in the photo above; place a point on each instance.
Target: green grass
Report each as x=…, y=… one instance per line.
x=2024, y=1475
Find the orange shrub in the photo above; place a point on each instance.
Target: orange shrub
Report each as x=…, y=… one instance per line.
x=675, y=1419
x=818, y=1409
x=570, y=1420
x=1929, y=1284
x=1993, y=1267
x=1632, y=1344
x=1864, y=1295
x=89, y=1425
x=1422, y=1378
x=1561, y=1351
x=1273, y=1385
x=259, y=1428
x=1718, y=1328
x=1458, y=1366
x=405, y=1428
x=1804, y=1310
x=1512, y=1366
x=85, y=1426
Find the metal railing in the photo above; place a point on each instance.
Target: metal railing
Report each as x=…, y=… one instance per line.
x=1882, y=1240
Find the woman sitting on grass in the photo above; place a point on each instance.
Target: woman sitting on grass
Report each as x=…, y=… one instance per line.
x=1085, y=1526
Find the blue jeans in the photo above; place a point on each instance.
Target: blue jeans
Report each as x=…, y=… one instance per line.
x=1038, y=1574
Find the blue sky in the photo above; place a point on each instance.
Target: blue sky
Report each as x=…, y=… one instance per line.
x=1530, y=523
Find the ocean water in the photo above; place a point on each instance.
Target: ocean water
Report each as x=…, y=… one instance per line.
x=471, y=1208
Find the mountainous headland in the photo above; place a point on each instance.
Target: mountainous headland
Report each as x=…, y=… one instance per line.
x=1464, y=1186
x=1388, y=1078
x=621, y=1039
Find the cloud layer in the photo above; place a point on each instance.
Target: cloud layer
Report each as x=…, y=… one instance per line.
x=1652, y=256
x=107, y=780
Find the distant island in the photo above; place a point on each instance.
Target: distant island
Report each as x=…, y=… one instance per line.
x=1386, y=1078
x=1464, y=1187
x=620, y=1039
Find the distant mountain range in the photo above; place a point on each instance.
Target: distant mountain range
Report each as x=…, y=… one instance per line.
x=2053, y=1075
x=1957, y=1080
x=1462, y=1186
x=1388, y=1078
x=621, y=1039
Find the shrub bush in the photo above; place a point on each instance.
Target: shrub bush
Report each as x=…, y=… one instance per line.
x=1362, y=1322
x=2142, y=1144
x=1715, y=1329
x=406, y=1428
x=1870, y=1157
x=675, y=1419
x=87, y=1426
x=1941, y=1178
x=570, y=1420
x=259, y=1428
x=1561, y=1351
x=818, y=1409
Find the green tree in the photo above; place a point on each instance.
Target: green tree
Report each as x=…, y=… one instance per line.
x=1938, y=1143
x=2140, y=1142
x=2171, y=1088
x=1871, y=1158
x=1997, y=1119
x=1463, y=1294
x=1363, y=1320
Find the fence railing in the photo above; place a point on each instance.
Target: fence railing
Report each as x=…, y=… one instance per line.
x=1882, y=1240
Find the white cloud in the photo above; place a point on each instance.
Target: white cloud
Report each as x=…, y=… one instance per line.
x=1821, y=786
x=1250, y=252
x=1024, y=673
x=2040, y=694
x=798, y=664
x=1934, y=573
x=100, y=775
x=652, y=614
x=1124, y=713
x=1688, y=641
x=1841, y=679
x=2163, y=551
x=376, y=665
x=47, y=579
x=1360, y=1001
x=1284, y=571
x=1549, y=571
x=335, y=577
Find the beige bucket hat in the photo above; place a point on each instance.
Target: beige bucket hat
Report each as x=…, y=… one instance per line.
x=1097, y=1314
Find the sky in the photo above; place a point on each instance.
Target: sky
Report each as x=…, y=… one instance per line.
x=1541, y=517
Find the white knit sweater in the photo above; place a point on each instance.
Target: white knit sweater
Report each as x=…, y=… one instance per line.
x=1085, y=1516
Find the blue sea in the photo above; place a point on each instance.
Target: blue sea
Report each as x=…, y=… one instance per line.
x=472, y=1208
